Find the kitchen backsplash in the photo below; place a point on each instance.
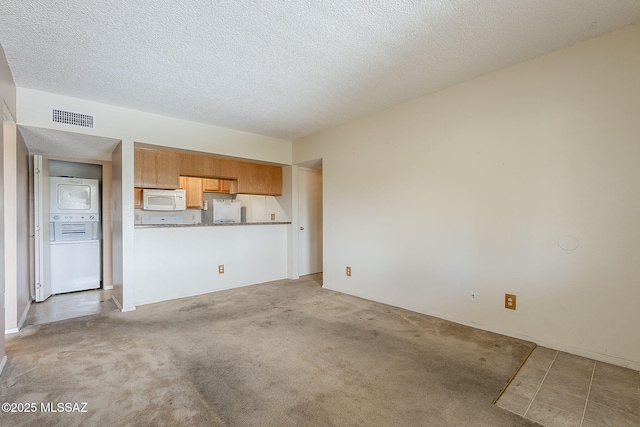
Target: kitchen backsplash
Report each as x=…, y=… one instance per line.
x=258, y=208
x=190, y=216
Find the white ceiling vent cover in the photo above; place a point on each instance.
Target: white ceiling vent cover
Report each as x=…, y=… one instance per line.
x=57, y=115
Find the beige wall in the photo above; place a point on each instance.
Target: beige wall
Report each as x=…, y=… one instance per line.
x=10, y=215
x=16, y=228
x=23, y=294
x=8, y=106
x=473, y=188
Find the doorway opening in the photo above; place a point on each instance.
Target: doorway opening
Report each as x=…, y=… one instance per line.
x=310, y=218
x=69, y=265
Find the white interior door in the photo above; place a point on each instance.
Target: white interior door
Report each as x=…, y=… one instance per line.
x=310, y=221
x=42, y=255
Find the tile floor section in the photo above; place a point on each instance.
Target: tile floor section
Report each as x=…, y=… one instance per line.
x=558, y=389
x=69, y=306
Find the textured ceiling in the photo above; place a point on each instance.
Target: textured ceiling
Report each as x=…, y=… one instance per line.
x=49, y=142
x=282, y=68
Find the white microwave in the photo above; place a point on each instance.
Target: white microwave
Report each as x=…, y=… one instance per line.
x=164, y=200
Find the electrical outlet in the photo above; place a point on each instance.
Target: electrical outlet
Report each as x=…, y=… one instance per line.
x=510, y=301
x=221, y=269
x=273, y=217
x=473, y=296
x=348, y=271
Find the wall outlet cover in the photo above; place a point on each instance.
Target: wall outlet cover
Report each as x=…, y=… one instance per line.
x=510, y=301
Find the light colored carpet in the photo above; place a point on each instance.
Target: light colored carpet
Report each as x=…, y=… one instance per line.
x=285, y=353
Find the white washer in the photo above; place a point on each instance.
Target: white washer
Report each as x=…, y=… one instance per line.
x=75, y=266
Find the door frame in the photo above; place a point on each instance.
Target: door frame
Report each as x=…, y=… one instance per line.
x=313, y=166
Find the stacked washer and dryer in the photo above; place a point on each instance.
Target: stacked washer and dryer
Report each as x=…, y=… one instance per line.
x=74, y=213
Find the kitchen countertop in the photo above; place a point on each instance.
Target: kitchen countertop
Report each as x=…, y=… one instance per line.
x=225, y=224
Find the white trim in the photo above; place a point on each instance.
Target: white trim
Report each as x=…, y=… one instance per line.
x=24, y=315
x=117, y=303
x=107, y=288
x=3, y=364
x=11, y=331
x=6, y=113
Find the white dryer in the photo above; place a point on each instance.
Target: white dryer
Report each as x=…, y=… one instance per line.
x=74, y=211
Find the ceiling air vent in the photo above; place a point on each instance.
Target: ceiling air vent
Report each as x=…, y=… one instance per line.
x=71, y=118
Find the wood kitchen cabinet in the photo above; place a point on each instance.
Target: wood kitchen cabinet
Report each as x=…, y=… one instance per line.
x=194, y=165
x=137, y=198
x=156, y=168
x=193, y=188
x=211, y=185
x=260, y=179
x=225, y=168
x=216, y=185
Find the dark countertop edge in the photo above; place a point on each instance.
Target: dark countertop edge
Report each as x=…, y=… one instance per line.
x=226, y=224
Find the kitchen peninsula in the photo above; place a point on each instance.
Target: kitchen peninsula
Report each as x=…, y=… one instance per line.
x=176, y=260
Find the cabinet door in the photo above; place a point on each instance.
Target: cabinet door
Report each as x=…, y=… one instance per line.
x=273, y=180
x=211, y=185
x=260, y=179
x=193, y=187
x=144, y=167
x=225, y=168
x=167, y=165
x=137, y=198
x=225, y=185
x=155, y=169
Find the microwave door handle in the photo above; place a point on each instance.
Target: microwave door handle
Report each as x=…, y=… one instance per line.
x=175, y=205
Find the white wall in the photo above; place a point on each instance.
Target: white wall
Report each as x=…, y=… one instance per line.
x=17, y=294
x=23, y=294
x=120, y=235
x=471, y=188
x=176, y=262
x=8, y=107
x=126, y=124
x=10, y=215
x=132, y=126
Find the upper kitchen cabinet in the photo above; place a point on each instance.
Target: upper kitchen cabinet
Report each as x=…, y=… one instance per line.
x=259, y=179
x=156, y=169
x=161, y=169
x=194, y=165
x=225, y=168
x=216, y=185
x=193, y=187
x=210, y=185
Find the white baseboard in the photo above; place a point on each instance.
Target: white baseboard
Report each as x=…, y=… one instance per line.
x=2, y=364
x=24, y=315
x=11, y=331
x=632, y=364
x=116, y=302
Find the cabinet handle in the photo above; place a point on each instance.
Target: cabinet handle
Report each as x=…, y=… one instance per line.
x=301, y=228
